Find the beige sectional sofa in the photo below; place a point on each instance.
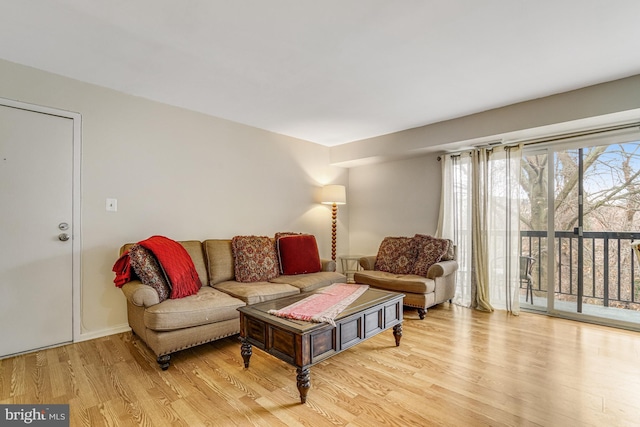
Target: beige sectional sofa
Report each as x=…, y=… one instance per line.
x=176, y=324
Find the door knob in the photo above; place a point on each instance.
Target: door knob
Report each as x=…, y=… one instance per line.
x=63, y=237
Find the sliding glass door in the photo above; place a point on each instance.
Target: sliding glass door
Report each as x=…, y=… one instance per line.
x=535, y=247
x=580, y=215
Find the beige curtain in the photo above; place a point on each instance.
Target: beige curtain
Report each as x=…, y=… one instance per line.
x=455, y=220
x=480, y=228
x=480, y=212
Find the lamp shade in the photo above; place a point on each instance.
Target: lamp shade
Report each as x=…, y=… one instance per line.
x=334, y=194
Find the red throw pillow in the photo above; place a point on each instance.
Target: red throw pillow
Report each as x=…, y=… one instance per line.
x=298, y=254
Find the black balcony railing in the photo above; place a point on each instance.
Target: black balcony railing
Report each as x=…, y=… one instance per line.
x=611, y=274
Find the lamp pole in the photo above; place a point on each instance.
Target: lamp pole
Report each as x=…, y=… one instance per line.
x=334, y=195
x=334, y=216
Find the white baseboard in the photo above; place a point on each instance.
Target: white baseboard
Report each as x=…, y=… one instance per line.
x=86, y=336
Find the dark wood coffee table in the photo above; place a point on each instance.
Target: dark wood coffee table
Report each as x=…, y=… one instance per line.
x=303, y=344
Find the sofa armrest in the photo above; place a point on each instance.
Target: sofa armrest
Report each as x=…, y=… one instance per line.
x=441, y=269
x=140, y=294
x=328, y=265
x=368, y=262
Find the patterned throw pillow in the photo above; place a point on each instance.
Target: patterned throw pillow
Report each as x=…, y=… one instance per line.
x=429, y=251
x=396, y=255
x=255, y=258
x=451, y=254
x=149, y=270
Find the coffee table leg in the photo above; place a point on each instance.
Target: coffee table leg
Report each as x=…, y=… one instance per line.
x=245, y=351
x=397, y=333
x=303, y=382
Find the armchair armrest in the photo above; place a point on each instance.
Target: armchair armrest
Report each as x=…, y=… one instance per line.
x=140, y=294
x=328, y=265
x=368, y=262
x=442, y=268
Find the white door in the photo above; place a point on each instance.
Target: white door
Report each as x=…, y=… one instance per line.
x=36, y=199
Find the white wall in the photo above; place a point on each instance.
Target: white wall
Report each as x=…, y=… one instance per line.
x=396, y=198
x=177, y=173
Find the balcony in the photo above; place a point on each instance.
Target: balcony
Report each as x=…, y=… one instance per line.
x=610, y=273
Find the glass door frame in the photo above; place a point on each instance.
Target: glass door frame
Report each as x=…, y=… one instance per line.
x=552, y=271
x=550, y=149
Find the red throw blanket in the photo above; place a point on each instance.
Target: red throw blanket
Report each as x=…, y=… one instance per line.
x=122, y=268
x=175, y=261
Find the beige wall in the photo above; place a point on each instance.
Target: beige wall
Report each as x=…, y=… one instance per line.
x=396, y=198
x=557, y=113
x=395, y=180
x=177, y=173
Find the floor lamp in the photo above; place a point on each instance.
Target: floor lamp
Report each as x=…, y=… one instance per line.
x=334, y=195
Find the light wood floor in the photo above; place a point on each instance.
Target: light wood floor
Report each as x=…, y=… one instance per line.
x=457, y=367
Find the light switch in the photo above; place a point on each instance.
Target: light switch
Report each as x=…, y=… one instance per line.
x=112, y=205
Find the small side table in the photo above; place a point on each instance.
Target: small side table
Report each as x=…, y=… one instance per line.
x=350, y=264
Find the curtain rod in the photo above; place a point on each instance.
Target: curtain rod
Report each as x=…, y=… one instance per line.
x=576, y=134
x=459, y=153
x=554, y=138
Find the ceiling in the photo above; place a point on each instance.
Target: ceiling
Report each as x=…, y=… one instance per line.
x=328, y=71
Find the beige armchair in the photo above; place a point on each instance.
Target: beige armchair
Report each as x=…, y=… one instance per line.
x=421, y=291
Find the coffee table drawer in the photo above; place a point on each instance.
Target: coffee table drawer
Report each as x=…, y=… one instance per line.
x=356, y=328
x=322, y=345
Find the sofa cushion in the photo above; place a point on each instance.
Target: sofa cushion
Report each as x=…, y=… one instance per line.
x=148, y=269
x=395, y=282
x=253, y=293
x=219, y=260
x=298, y=254
x=194, y=249
x=312, y=281
x=396, y=255
x=255, y=258
x=207, y=306
x=429, y=251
